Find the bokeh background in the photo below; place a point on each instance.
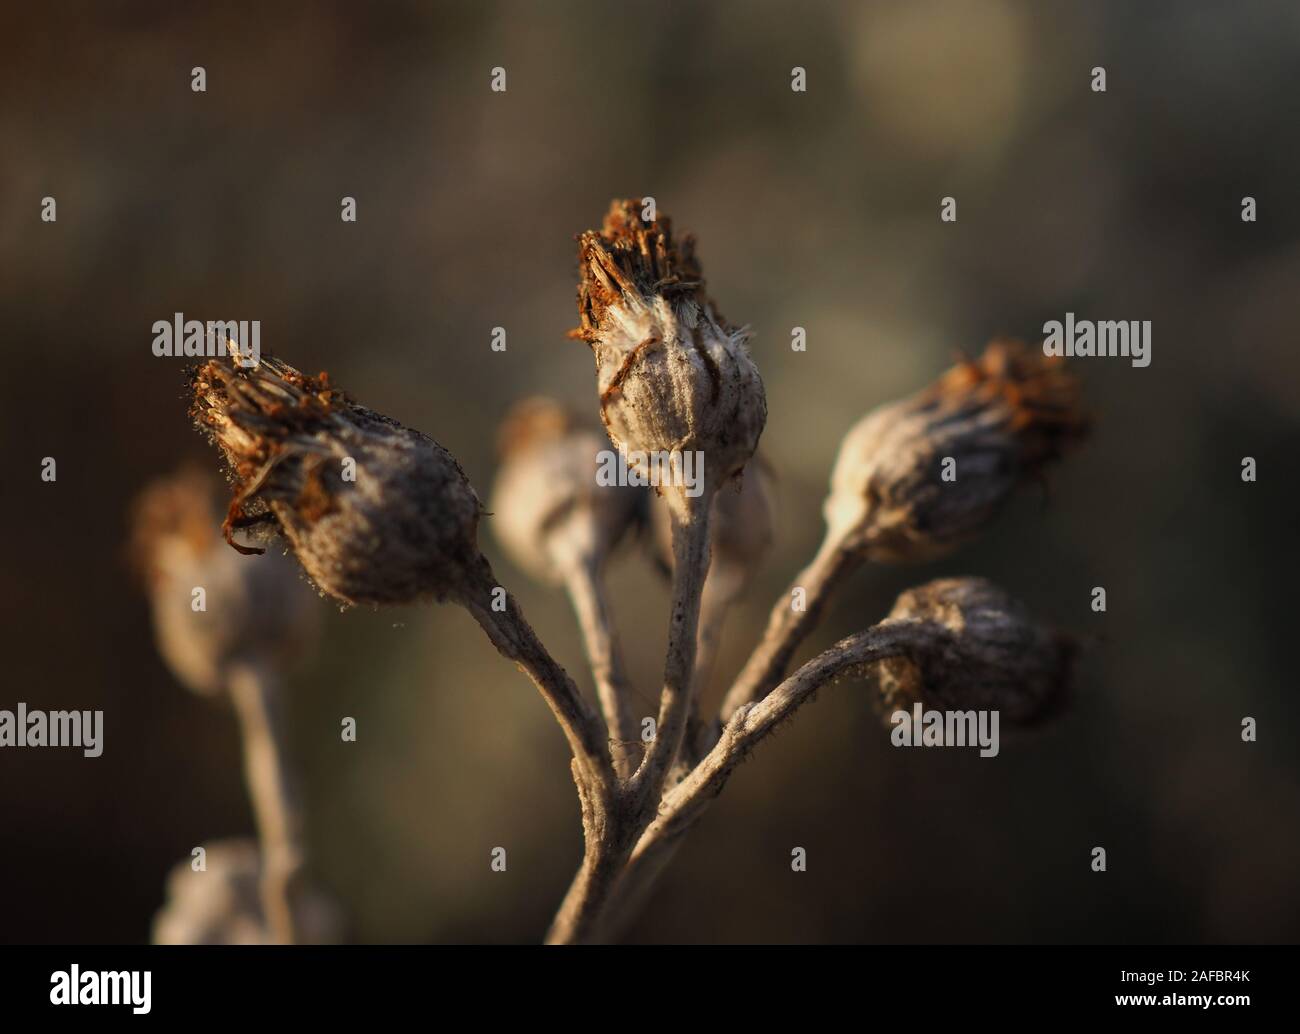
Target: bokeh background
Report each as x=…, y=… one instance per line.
x=819, y=210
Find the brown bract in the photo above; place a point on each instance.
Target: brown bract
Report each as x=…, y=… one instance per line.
x=671, y=373
x=918, y=477
x=629, y=256
x=375, y=512
x=1035, y=395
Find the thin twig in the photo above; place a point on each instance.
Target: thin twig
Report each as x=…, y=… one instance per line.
x=721, y=590
x=256, y=695
x=514, y=637
x=586, y=588
x=787, y=627
x=690, y=532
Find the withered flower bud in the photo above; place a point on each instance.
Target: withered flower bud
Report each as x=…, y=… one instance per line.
x=676, y=386
x=549, y=511
x=985, y=652
x=672, y=374
x=375, y=512
x=895, y=496
x=221, y=904
x=256, y=612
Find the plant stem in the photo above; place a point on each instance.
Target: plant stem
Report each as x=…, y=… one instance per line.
x=723, y=586
x=608, y=843
x=788, y=627
x=514, y=637
x=255, y=692
x=586, y=590
x=686, y=803
x=690, y=533
x=578, y=918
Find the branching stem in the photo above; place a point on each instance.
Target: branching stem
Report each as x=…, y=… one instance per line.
x=683, y=806
x=514, y=637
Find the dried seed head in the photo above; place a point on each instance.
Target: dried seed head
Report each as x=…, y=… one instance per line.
x=671, y=372
x=222, y=903
x=999, y=419
x=375, y=512
x=256, y=610
x=987, y=653
x=548, y=510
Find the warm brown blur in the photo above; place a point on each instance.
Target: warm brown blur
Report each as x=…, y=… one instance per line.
x=817, y=210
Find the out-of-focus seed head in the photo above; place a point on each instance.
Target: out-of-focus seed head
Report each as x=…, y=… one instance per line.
x=257, y=611
x=1001, y=418
x=222, y=904
x=987, y=653
x=740, y=528
x=672, y=374
x=548, y=509
x=404, y=530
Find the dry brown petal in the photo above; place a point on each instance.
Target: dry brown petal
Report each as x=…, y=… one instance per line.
x=403, y=530
x=1000, y=418
x=672, y=374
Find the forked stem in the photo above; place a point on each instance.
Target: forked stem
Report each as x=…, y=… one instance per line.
x=608, y=844
x=500, y=617
x=686, y=803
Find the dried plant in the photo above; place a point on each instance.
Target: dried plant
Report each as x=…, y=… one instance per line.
x=559, y=525
x=224, y=904
x=672, y=376
x=255, y=621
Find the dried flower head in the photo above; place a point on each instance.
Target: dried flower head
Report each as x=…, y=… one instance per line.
x=375, y=512
x=999, y=419
x=672, y=374
x=221, y=904
x=987, y=653
x=257, y=610
x=549, y=510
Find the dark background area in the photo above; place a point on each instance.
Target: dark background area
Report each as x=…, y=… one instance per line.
x=818, y=210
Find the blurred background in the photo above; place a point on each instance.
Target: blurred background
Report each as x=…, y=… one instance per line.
x=816, y=209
